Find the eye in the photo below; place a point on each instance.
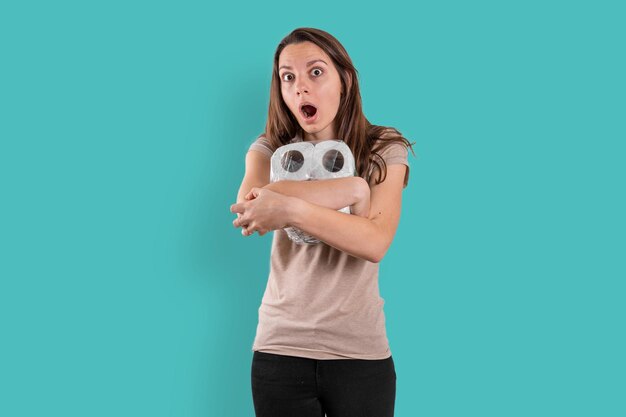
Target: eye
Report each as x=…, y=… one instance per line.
x=286, y=74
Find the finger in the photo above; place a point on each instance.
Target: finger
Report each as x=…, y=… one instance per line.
x=241, y=222
x=237, y=208
x=251, y=228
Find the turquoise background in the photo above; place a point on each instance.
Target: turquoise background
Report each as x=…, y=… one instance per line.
x=126, y=291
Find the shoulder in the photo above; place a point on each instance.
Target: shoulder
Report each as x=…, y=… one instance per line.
x=391, y=146
x=262, y=144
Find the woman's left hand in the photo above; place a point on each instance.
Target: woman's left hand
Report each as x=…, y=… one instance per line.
x=263, y=211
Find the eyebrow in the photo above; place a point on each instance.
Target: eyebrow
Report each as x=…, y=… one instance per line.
x=308, y=64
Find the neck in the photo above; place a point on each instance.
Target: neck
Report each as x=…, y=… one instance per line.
x=319, y=136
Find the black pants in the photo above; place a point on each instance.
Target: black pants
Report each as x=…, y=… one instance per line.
x=290, y=386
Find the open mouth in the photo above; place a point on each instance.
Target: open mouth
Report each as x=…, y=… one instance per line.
x=308, y=111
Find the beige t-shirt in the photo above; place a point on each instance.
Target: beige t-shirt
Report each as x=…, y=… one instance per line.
x=320, y=302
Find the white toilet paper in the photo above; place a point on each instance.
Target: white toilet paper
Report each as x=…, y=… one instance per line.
x=332, y=159
x=292, y=162
x=312, y=160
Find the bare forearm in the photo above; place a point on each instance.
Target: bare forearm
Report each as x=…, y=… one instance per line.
x=359, y=236
x=335, y=193
x=241, y=193
x=362, y=206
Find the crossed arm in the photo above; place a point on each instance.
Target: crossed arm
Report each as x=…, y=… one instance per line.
x=335, y=193
x=312, y=206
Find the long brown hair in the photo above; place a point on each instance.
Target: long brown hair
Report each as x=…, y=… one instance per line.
x=353, y=128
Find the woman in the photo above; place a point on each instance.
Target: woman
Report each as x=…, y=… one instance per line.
x=321, y=344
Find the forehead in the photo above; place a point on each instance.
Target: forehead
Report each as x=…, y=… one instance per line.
x=300, y=53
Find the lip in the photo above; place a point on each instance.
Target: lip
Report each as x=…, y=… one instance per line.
x=312, y=119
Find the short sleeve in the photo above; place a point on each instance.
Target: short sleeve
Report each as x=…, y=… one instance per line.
x=262, y=145
x=395, y=153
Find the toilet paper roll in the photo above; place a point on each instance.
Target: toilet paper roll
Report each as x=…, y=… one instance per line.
x=311, y=160
x=292, y=162
x=332, y=159
x=300, y=237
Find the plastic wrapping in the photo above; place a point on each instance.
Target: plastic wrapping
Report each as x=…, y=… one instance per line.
x=310, y=161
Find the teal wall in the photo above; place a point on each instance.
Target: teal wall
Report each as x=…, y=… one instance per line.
x=126, y=291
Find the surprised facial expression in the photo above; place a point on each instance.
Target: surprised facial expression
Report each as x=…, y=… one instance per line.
x=311, y=88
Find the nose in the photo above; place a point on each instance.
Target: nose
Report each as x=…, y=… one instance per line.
x=302, y=87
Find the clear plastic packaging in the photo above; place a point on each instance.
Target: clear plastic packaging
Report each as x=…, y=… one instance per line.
x=310, y=161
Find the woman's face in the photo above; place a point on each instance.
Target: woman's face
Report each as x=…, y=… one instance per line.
x=308, y=75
